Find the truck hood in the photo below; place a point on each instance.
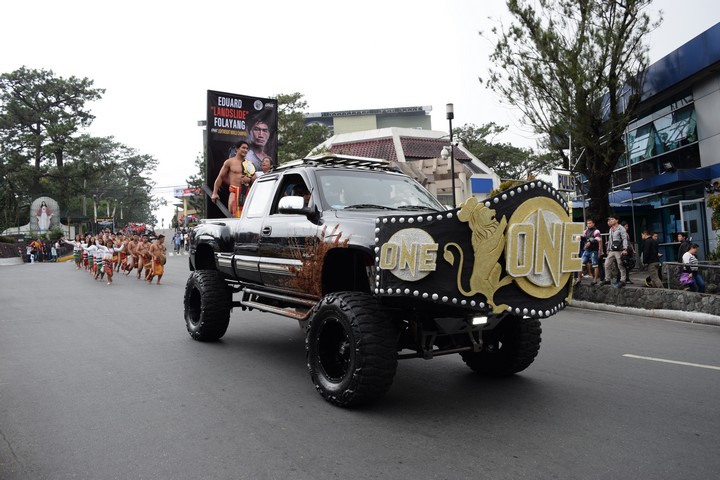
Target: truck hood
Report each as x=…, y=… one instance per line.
x=359, y=225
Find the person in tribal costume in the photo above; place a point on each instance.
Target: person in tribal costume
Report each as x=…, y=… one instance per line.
x=109, y=254
x=142, y=249
x=86, y=254
x=89, y=255
x=158, y=253
x=121, y=259
x=98, y=255
x=132, y=254
x=77, y=251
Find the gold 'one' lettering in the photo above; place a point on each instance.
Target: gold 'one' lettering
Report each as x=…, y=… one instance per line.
x=408, y=260
x=388, y=256
x=519, y=249
x=547, y=247
x=571, y=261
x=408, y=256
x=428, y=257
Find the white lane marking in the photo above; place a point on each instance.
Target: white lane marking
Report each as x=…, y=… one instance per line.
x=698, y=365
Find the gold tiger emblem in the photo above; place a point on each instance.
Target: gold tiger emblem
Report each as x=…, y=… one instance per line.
x=488, y=241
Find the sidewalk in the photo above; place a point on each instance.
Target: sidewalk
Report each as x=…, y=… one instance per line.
x=638, y=299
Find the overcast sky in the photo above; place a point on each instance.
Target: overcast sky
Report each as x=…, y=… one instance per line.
x=156, y=60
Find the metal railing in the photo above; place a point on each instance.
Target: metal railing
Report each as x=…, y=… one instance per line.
x=671, y=271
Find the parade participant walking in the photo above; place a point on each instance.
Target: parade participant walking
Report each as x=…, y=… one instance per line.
x=157, y=252
x=85, y=254
x=142, y=253
x=240, y=173
x=77, y=251
x=109, y=255
x=122, y=253
x=89, y=255
x=98, y=255
x=177, y=240
x=617, y=247
x=132, y=254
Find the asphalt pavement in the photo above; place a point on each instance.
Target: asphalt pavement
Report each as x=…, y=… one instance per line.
x=103, y=382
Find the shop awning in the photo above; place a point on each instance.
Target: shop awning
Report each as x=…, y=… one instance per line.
x=676, y=179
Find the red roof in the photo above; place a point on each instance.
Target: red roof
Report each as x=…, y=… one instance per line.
x=418, y=148
x=413, y=148
x=378, y=148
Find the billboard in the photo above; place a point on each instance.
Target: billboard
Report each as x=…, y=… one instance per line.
x=231, y=118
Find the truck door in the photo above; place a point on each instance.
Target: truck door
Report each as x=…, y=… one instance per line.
x=246, y=236
x=284, y=236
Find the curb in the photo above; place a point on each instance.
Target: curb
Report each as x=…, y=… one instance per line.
x=691, y=317
x=11, y=261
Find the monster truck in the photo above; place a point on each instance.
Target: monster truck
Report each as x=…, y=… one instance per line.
x=376, y=270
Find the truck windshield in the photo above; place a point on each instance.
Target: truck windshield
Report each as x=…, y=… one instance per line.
x=341, y=189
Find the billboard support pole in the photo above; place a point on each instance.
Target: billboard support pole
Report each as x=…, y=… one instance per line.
x=219, y=203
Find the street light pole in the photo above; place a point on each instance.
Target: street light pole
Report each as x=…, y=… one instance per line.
x=450, y=115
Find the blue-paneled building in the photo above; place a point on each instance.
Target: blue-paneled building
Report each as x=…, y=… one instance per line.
x=672, y=161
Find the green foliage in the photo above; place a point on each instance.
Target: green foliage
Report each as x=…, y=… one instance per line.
x=295, y=139
x=714, y=203
x=506, y=185
x=504, y=159
x=7, y=240
x=572, y=67
x=42, y=152
x=196, y=202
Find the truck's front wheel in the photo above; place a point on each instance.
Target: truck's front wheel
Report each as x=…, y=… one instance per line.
x=508, y=348
x=351, y=348
x=207, y=303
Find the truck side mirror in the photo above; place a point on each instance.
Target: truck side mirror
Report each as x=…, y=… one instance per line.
x=293, y=204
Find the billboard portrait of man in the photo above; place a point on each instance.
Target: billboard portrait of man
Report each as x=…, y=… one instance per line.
x=230, y=119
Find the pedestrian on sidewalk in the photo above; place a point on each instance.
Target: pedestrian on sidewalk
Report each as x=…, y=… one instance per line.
x=691, y=270
x=617, y=247
x=591, y=248
x=651, y=258
x=685, y=243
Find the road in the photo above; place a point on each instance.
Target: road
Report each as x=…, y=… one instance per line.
x=103, y=382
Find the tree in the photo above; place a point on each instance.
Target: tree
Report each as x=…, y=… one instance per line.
x=295, y=139
x=42, y=151
x=197, y=202
x=505, y=160
x=574, y=68
x=39, y=115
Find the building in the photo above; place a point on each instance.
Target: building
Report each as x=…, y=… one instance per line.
x=348, y=121
x=418, y=153
x=672, y=160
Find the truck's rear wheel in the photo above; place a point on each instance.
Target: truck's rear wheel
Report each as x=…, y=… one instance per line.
x=508, y=348
x=351, y=349
x=207, y=303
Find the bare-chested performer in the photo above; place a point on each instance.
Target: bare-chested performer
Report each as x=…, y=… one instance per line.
x=132, y=254
x=158, y=255
x=240, y=174
x=142, y=248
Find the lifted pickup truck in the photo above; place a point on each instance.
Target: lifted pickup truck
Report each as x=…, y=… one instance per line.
x=376, y=270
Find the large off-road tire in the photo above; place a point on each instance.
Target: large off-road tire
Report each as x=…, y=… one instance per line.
x=507, y=349
x=351, y=348
x=208, y=302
